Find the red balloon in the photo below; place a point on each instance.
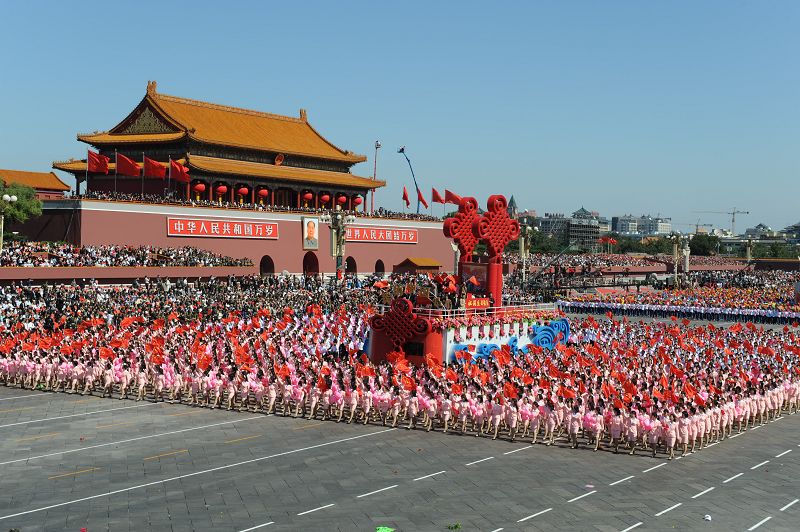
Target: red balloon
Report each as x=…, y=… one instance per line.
x=357, y=200
x=325, y=198
x=222, y=189
x=263, y=193
x=342, y=199
x=308, y=196
x=242, y=191
x=199, y=187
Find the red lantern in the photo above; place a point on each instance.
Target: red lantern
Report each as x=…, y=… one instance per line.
x=342, y=199
x=242, y=191
x=357, y=200
x=263, y=193
x=199, y=187
x=222, y=189
x=308, y=196
x=325, y=198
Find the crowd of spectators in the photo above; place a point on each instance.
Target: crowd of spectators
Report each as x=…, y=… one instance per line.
x=261, y=207
x=58, y=254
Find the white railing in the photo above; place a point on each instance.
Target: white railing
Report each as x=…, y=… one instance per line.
x=461, y=312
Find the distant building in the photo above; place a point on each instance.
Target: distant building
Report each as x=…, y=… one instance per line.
x=625, y=225
x=647, y=225
x=46, y=184
x=792, y=232
x=760, y=231
x=605, y=225
x=513, y=211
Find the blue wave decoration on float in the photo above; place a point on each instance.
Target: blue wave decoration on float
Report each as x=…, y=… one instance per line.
x=544, y=336
x=548, y=336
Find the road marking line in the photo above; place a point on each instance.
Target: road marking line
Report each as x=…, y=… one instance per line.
x=713, y=444
x=632, y=527
x=73, y=473
x=16, y=409
x=498, y=529
x=74, y=415
x=115, y=424
x=759, y=465
x=129, y=440
x=736, y=435
x=783, y=453
x=429, y=476
x=165, y=454
x=654, y=467
x=582, y=496
x=257, y=526
x=242, y=439
x=734, y=477
x=317, y=509
x=31, y=438
x=759, y=523
x=23, y=396
x=196, y=473
x=789, y=505
x=311, y=426
x=184, y=414
x=662, y=512
x=537, y=514
x=702, y=492
x=376, y=491
x=518, y=450
x=479, y=461
x=621, y=480
x=757, y=427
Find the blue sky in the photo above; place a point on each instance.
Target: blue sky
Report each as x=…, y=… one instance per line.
x=618, y=106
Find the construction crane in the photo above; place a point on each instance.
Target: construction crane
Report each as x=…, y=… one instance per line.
x=732, y=214
x=697, y=225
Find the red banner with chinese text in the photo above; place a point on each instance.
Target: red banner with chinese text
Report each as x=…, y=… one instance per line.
x=383, y=236
x=221, y=228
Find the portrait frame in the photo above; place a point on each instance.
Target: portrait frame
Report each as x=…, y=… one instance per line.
x=310, y=244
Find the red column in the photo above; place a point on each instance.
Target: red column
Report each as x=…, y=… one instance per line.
x=494, y=282
x=210, y=191
x=253, y=195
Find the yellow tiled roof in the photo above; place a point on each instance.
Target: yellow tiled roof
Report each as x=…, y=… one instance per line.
x=424, y=262
x=110, y=138
x=231, y=126
x=35, y=180
x=287, y=173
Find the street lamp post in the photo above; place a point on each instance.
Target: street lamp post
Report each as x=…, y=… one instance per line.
x=374, y=176
x=7, y=201
x=338, y=223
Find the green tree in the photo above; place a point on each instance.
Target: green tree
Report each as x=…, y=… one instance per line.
x=26, y=206
x=703, y=244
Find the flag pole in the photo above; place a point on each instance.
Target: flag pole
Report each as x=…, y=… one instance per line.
x=115, y=171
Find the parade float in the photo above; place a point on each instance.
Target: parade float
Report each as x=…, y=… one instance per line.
x=481, y=325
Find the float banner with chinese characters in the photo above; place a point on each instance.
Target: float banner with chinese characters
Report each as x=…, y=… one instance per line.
x=473, y=302
x=221, y=228
x=383, y=236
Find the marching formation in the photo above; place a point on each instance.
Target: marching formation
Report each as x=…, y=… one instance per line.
x=294, y=346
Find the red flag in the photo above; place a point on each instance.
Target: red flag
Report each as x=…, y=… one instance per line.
x=97, y=163
x=450, y=197
x=473, y=281
x=436, y=197
x=154, y=168
x=178, y=172
x=126, y=166
x=405, y=197
x=421, y=199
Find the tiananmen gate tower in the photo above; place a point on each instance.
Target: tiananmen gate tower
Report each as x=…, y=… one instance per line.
x=232, y=154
